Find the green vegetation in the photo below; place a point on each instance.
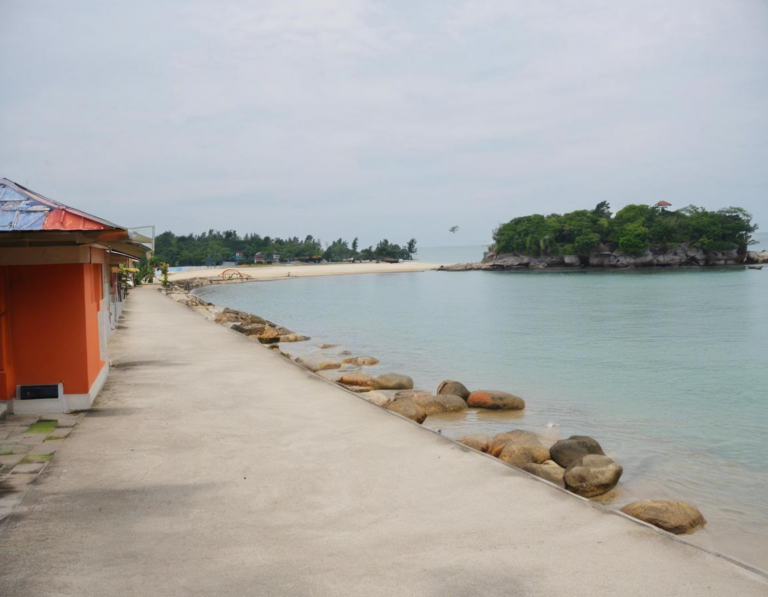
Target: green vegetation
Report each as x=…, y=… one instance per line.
x=213, y=247
x=42, y=426
x=632, y=230
x=36, y=458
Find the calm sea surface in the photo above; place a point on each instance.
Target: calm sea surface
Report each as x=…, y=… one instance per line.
x=667, y=369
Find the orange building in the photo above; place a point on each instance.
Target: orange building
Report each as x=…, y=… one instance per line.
x=60, y=300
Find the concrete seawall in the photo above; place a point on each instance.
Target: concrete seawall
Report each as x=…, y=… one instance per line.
x=212, y=466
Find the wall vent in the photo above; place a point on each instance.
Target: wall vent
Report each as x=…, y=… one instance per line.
x=40, y=392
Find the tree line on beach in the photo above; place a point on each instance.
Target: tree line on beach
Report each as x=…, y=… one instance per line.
x=632, y=230
x=214, y=247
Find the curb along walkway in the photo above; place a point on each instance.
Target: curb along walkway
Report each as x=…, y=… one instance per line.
x=212, y=466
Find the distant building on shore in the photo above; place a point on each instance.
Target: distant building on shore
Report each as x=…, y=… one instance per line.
x=60, y=300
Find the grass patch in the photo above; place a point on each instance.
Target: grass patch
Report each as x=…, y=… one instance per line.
x=51, y=438
x=6, y=452
x=36, y=458
x=42, y=426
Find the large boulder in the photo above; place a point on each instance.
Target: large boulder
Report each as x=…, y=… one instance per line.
x=478, y=441
x=592, y=475
x=524, y=450
x=455, y=388
x=548, y=470
x=392, y=381
x=450, y=403
x=495, y=400
x=567, y=451
x=356, y=379
x=361, y=361
x=500, y=440
x=408, y=409
x=757, y=257
x=428, y=403
x=674, y=517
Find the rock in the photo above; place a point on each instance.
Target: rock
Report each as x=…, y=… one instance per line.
x=358, y=389
x=495, y=400
x=757, y=257
x=408, y=409
x=316, y=365
x=500, y=440
x=249, y=329
x=567, y=451
x=450, y=402
x=378, y=398
x=269, y=336
x=356, y=379
x=361, y=361
x=400, y=394
x=326, y=346
x=293, y=337
x=455, y=388
x=674, y=517
x=522, y=450
x=592, y=475
x=392, y=381
x=571, y=260
x=428, y=403
x=548, y=470
x=478, y=441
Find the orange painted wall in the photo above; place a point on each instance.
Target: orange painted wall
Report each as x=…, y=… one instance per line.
x=53, y=320
x=7, y=378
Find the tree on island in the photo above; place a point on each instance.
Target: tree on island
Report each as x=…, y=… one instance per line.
x=632, y=230
x=214, y=247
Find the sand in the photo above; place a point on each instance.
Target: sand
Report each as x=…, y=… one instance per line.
x=271, y=272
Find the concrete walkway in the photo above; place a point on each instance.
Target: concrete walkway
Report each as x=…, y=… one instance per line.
x=214, y=467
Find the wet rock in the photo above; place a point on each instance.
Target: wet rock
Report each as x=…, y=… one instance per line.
x=361, y=361
x=495, y=400
x=500, y=440
x=478, y=441
x=356, y=379
x=592, y=475
x=326, y=346
x=567, y=451
x=408, y=409
x=455, y=388
x=450, y=403
x=548, y=470
x=392, y=381
x=674, y=517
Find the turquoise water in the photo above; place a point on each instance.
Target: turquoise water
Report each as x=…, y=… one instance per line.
x=667, y=369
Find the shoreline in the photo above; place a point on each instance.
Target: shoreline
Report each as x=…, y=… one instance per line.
x=277, y=272
x=601, y=501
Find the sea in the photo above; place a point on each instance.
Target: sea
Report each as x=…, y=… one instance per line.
x=667, y=369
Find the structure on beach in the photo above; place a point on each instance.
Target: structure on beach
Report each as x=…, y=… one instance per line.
x=60, y=300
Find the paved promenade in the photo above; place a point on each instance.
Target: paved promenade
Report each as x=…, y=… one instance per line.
x=213, y=467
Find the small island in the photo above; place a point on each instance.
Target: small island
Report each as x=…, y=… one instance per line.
x=635, y=236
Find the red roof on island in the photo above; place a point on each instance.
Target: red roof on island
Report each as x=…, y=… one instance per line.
x=663, y=204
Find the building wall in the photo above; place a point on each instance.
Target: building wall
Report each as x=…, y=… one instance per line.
x=52, y=325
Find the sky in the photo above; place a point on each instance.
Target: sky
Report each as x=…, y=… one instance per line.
x=398, y=119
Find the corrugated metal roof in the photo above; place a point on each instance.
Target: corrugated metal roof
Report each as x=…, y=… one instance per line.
x=22, y=209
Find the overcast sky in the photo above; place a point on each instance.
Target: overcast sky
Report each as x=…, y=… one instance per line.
x=383, y=119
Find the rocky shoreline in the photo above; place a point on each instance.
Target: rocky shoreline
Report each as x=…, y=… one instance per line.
x=682, y=256
x=577, y=464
